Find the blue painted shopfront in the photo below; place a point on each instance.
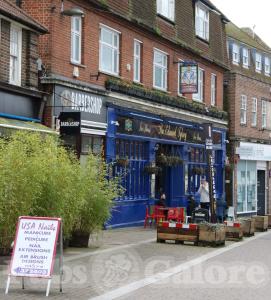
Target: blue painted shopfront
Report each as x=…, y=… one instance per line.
x=136, y=139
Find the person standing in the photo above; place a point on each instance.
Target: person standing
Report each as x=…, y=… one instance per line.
x=204, y=193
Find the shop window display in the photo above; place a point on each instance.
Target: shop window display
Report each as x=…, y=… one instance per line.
x=246, y=186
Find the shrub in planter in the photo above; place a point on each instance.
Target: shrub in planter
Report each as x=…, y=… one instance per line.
x=38, y=177
x=98, y=191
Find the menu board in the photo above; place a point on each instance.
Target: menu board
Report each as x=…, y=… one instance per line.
x=35, y=247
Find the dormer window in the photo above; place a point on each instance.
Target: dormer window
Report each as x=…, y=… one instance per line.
x=202, y=21
x=258, y=63
x=245, y=58
x=267, y=66
x=166, y=8
x=235, y=54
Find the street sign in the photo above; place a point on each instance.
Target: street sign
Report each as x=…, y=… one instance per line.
x=35, y=248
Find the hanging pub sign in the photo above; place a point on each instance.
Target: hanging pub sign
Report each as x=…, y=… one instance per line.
x=188, y=78
x=208, y=133
x=70, y=123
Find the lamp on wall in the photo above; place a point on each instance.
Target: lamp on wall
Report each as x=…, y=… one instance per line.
x=71, y=12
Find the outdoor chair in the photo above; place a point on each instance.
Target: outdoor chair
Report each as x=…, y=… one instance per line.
x=149, y=215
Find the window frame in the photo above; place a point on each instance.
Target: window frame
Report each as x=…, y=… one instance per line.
x=163, y=68
x=213, y=89
x=171, y=9
x=264, y=114
x=258, y=55
x=243, y=108
x=77, y=33
x=254, y=110
x=137, y=59
x=18, y=80
x=245, y=65
x=196, y=97
x=265, y=65
x=112, y=47
x=205, y=35
x=237, y=47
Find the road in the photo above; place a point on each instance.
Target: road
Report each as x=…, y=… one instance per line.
x=131, y=265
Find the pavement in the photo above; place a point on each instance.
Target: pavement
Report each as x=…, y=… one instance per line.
x=129, y=264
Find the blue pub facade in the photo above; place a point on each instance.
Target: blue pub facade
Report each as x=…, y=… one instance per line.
x=155, y=152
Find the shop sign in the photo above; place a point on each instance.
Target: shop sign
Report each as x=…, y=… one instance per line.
x=35, y=247
x=188, y=78
x=163, y=131
x=91, y=106
x=208, y=132
x=251, y=151
x=70, y=122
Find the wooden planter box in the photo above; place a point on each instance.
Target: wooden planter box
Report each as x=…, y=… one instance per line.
x=269, y=221
x=248, y=227
x=211, y=235
x=234, y=233
x=261, y=223
x=179, y=233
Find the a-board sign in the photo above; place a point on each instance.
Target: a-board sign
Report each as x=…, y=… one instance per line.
x=35, y=247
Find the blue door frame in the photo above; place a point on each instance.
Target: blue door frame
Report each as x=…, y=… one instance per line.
x=130, y=211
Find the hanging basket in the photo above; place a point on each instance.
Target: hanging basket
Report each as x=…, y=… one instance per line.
x=197, y=171
x=152, y=169
x=122, y=162
x=169, y=160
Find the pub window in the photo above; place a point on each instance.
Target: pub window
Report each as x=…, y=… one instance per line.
x=200, y=94
x=213, y=89
x=166, y=8
x=137, y=60
x=202, y=21
x=109, y=50
x=160, y=65
x=131, y=159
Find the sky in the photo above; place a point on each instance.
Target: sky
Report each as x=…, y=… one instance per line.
x=246, y=13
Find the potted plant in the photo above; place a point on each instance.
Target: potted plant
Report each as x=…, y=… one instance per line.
x=122, y=162
x=150, y=169
x=98, y=190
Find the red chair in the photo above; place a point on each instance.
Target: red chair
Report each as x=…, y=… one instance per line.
x=176, y=214
x=149, y=215
x=173, y=214
x=159, y=214
x=181, y=217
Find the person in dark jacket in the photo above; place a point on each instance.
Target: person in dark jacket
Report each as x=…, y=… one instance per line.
x=191, y=205
x=162, y=200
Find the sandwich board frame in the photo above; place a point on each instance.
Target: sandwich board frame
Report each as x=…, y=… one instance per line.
x=26, y=272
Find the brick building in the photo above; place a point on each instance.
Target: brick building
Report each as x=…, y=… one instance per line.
x=21, y=103
x=248, y=97
x=116, y=63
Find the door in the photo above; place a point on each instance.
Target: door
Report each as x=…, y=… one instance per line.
x=261, y=192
